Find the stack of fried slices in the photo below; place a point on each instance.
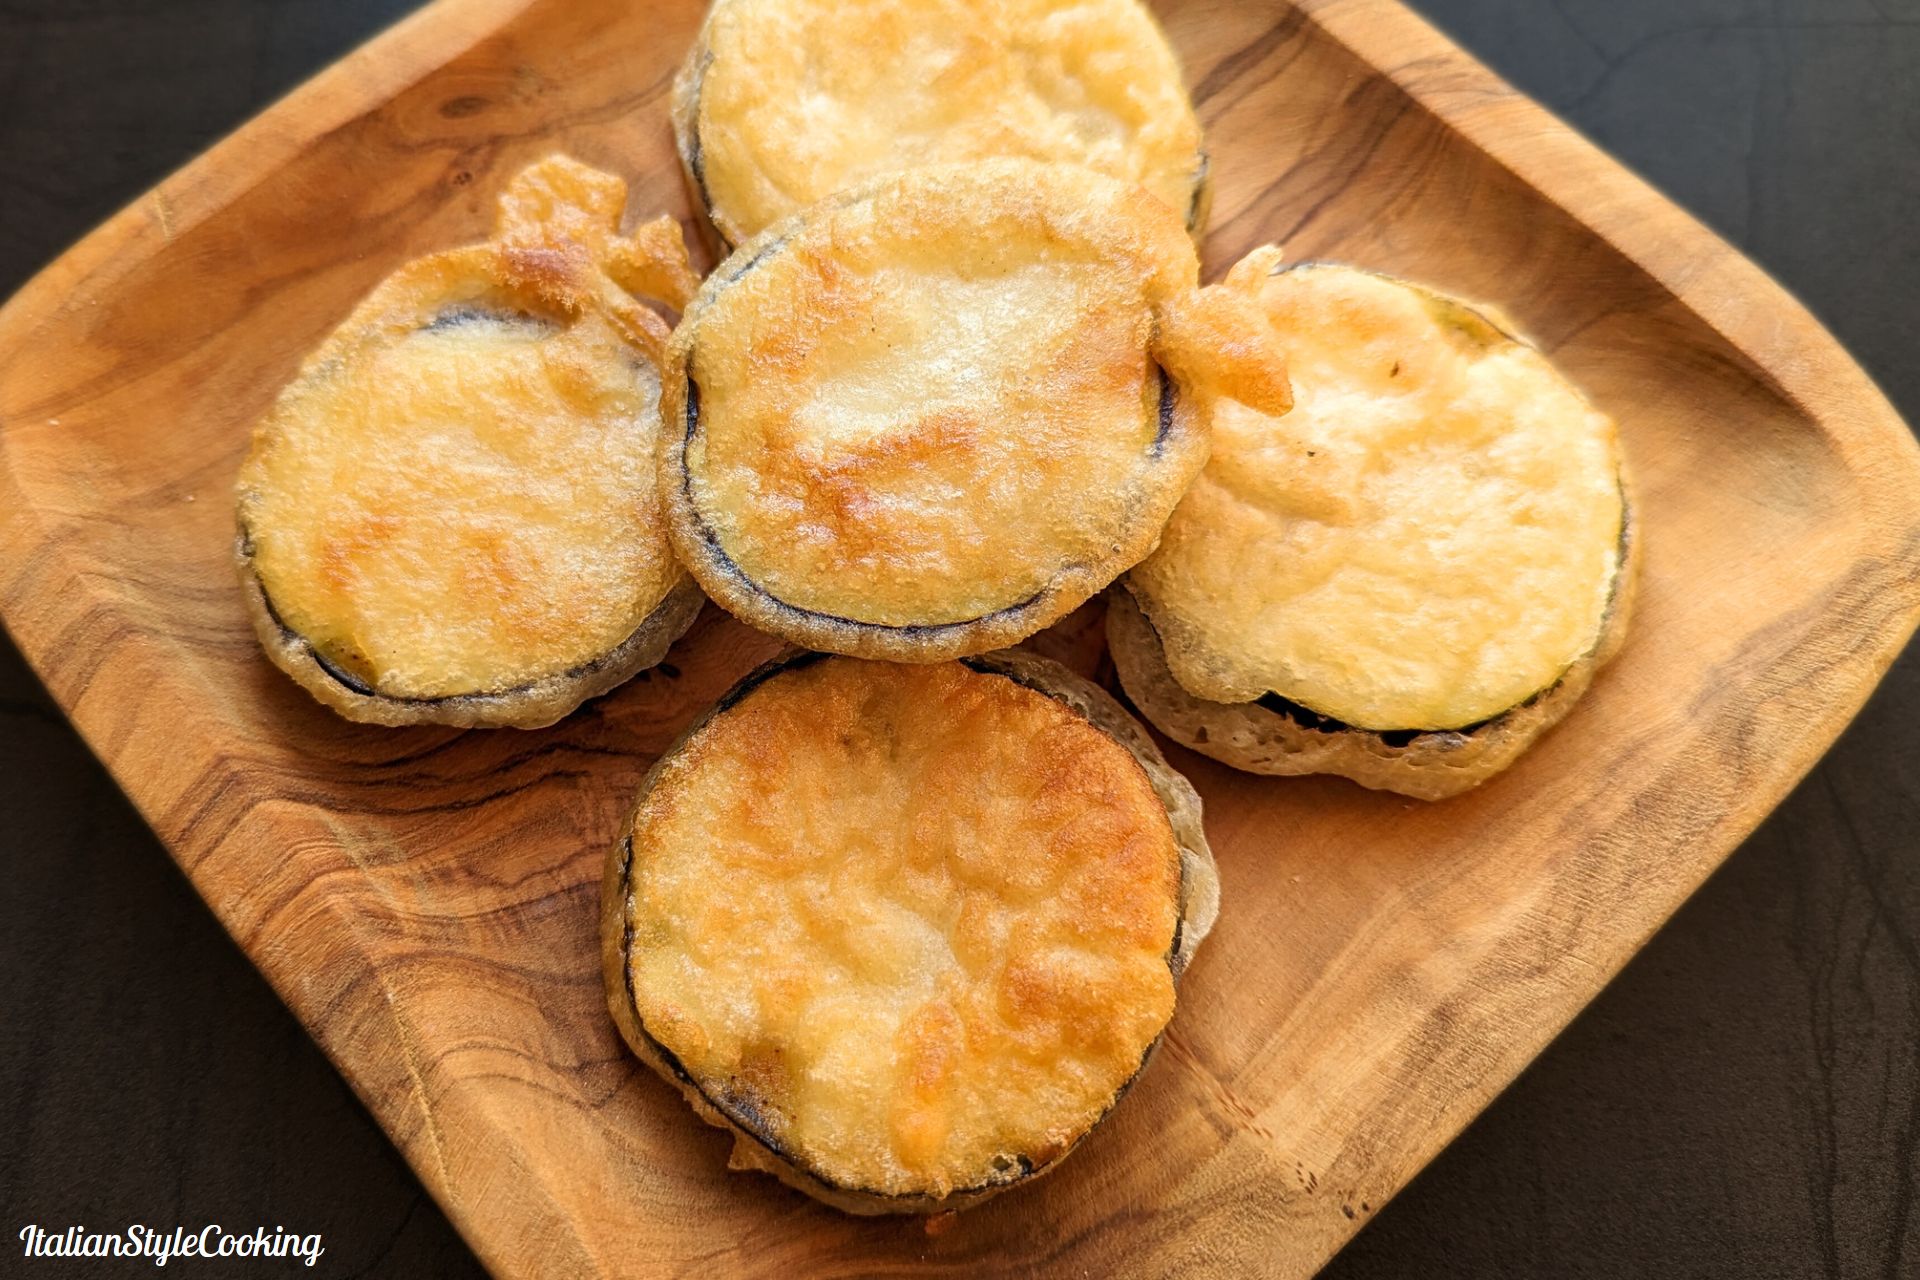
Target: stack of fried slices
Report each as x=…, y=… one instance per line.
x=906, y=910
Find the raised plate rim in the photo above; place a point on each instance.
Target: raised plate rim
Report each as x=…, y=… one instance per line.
x=1785, y=344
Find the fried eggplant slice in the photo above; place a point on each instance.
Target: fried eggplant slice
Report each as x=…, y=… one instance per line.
x=450, y=515
x=781, y=103
x=927, y=418
x=908, y=932
x=1408, y=578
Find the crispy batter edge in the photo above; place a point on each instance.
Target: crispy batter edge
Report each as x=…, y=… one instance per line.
x=1433, y=765
x=1179, y=451
x=1199, y=906
x=723, y=233
x=533, y=705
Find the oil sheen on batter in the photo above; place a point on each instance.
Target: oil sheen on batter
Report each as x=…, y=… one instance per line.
x=1428, y=539
x=793, y=100
x=457, y=494
x=927, y=404
x=465, y=506
x=911, y=922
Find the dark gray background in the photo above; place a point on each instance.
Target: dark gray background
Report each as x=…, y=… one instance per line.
x=1744, y=1101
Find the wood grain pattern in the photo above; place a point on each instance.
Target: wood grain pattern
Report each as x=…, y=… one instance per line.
x=424, y=900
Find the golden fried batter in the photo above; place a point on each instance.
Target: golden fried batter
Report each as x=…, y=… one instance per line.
x=783, y=102
x=941, y=407
x=1429, y=538
x=456, y=496
x=913, y=928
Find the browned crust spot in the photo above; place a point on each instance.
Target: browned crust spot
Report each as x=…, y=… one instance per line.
x=753, y=1149
x=556, y=256
x=1182, y=355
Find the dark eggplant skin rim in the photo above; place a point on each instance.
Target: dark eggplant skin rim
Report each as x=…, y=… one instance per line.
x=1276, y=736
x=1612, y=616
x=532, y=705
x=754, y=1149
x=1428, y=764
x=723, y=234
x=1177, y=432
x=1620, y=595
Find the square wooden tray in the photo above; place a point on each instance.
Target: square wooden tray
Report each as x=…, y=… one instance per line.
x=425, y=900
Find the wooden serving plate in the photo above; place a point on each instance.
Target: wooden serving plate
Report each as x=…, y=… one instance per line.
x=425, y=899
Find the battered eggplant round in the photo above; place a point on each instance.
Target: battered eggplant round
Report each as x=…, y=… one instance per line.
x=781, y=103
x=927, y=418
x=1408, y=578
x=908, y=932
x=450, y=515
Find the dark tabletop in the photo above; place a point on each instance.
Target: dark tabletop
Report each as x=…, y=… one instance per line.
x=1744, y=1101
